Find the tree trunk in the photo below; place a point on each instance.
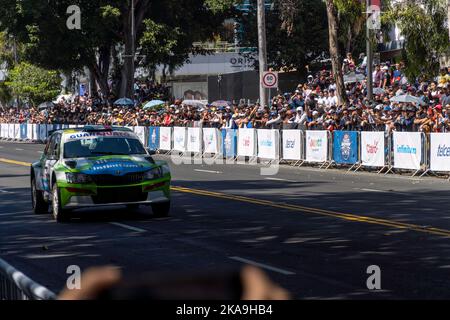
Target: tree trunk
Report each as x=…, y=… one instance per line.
x=348, y=46
x=334, y=53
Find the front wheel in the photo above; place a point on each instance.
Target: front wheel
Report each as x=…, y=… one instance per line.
x=37, y=199
x=59, y=214
x=161, y=210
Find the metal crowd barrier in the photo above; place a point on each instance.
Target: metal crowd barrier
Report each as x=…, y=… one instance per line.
x=33, y=132
x=14, y=285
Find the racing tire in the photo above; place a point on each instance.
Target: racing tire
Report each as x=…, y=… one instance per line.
x=161, y=210
x=40, y=206
x=59, y=214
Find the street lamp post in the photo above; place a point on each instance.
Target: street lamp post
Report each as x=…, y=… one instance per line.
x=369, y=53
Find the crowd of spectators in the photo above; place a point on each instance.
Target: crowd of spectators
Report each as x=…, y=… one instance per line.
x=312, y=106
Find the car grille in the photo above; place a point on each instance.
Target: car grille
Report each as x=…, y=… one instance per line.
x=111, y=180
x=116, y=195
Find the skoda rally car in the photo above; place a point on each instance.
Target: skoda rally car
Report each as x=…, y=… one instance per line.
x=98, y=166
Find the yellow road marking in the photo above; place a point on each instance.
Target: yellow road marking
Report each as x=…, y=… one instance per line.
x=20, y=163
x=286, y=206
x=340, y=215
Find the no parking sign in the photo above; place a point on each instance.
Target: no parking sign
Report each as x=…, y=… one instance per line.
x=270, y=80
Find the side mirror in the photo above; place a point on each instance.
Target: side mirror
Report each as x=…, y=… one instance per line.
x=150, y=151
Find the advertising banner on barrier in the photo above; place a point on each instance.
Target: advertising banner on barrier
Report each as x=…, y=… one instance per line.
x=268, y=144
x=194, y=140
x=229, y=143
x=345, y=147
x=440, y=151
x=292, y=144
x=210, y=140
x=4, y=130
x=72, y=125
x=179, y=139
x=246, y=142
x=372, y=149
x=407, y=150
x=316, y=146
x=29, y=131
x=42, y=132
x=140, y=132
x=17, y=131
x=35, y=131
x=23, y=131
x=11, y=131
x=165, y=138
x=153, y=138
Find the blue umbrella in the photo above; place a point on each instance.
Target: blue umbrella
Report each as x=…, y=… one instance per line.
x=153, y=104
x=124, y=102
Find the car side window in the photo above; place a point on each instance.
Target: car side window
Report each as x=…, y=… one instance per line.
x=49, y=148
x=56, y=146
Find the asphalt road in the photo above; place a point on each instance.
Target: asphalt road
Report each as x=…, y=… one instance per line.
x=314, y=231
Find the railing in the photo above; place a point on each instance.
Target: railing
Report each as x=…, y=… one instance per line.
x=14, y=285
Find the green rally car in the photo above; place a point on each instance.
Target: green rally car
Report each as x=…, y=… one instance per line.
x=98, y=166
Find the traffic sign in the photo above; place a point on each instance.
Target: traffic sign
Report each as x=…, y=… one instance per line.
x=270, y=80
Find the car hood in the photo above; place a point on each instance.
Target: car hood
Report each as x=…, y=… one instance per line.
x=113, y=165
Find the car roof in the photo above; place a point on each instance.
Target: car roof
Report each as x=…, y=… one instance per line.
x=91, y=128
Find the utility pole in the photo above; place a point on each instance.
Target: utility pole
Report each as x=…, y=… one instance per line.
x=369, y=53
x=448, y=17
x=262, y=52
x=133, y=47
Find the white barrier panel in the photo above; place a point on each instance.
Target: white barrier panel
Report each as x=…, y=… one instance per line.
x=407, y=150
x=165, y=138
x=42, y=132
x=440, y=151
x=35, y=129
x=246, y=142
x=372, y=149
x=194, y=142
x=268, y=144
x=292, y=145
x=4, y=130
x=316, y=146
x=72, y=126
x=29, y=131
x=140, y=132
x=17, y=131
x=210, y=140
x=11, y=131
x=179, y=139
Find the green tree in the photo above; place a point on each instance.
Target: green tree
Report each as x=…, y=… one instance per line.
x=33, y=84
x=423, y=24
x=296, y=32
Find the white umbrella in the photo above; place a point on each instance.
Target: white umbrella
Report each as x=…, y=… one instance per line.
x=194, y=103
x=406, y=98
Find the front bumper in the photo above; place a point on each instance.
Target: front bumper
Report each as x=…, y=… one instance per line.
x=85, y=196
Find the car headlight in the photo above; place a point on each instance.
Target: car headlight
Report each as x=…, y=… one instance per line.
x=78, y=178
x=152, y=174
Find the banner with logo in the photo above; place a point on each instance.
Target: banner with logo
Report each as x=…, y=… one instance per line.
x=23, y=131
x=407, y=150
x=372, y=149
x=316, y=146
x=153, y=138
x=229, y=143
x=179, y=139
x=4, y=130
x=16, y=131
x=165, y=138
x=72, y=125
x=345, y=147
x=440, y=151
x=268, y=144
x=292, y=145
x=140, y=132
x=210, y=140
x=42, y=132
x=194, y=142
x=246, y=142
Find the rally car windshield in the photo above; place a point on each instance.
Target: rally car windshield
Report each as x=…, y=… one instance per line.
x=100, y=146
